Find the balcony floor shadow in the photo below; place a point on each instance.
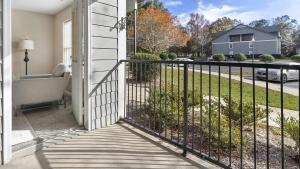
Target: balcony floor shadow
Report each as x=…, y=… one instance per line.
x=117, y=146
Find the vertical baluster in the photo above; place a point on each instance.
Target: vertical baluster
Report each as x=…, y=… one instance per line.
x=178, y=105
x=267, y=113
x=145, y=93
x=241, y=116
x=219, y=110
x=160, y=99
x=282, y=117
x=254, y=114
x=193, y=107
x=141, y=112
x=136, y=91
x=132, y=90
x=154, y=83
x=185, y=107
x=172, y=104
x=299, y=115
x=209, y=110
x=166, y=94
x=201, y=109
x=230, y=114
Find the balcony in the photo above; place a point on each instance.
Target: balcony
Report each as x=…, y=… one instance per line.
x=217, y=111
x=117, y=146
x=181, y=114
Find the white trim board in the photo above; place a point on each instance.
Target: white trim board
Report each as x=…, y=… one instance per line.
x=271, y=40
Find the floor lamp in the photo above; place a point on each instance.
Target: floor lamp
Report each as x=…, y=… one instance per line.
x=26, y=45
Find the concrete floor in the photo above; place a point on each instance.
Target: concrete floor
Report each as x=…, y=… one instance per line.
x=118, y=146
x=52, y=122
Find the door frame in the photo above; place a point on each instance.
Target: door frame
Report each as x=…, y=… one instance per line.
x=7, y=83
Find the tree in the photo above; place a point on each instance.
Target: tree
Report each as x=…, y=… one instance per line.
x=154, y=3
x=288, y=27
x=222, y=24
x=157, y=31
x=198, y=27
x=260, y=23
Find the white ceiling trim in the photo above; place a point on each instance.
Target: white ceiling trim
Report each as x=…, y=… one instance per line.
x=50, y=7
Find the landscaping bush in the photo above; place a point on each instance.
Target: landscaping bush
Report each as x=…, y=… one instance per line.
x=296, y=58
x=219, y=57
x=266, y=58
x=172, y=56
x=292, y=129
x=163, y=56
x=166, y=115
x=247, y=112
x=240, y=57
x=144, y=72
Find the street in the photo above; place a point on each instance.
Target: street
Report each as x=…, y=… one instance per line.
x=225, y=70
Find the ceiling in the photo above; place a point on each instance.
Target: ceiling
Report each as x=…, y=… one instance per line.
x=50, y=7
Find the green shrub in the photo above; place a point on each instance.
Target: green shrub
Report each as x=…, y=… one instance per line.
x=296, y=58
x=292, y=129
x=240, y=57
x=163, y=56
x=219, y=57
x=172, y=56
x=247, y=112
x=266, y=58
x=144, y=72
x=167, y=114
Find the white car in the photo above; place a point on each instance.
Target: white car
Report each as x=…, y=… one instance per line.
x=181, y=59
x=274, y=74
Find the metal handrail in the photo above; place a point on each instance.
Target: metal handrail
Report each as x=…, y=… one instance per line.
x=105, y=78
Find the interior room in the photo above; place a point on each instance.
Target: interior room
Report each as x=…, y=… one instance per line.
x=42, y=68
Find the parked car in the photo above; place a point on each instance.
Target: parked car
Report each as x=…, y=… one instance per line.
x=181, y=59
x=274, y=74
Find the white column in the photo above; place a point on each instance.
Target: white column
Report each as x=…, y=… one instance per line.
x=121, y=56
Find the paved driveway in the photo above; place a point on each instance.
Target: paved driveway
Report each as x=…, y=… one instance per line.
x=292, y=86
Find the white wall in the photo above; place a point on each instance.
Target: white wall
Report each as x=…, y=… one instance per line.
x=40, y=28
x=59, y=19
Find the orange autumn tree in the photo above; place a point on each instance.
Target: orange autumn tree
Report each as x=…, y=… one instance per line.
x=157, y=31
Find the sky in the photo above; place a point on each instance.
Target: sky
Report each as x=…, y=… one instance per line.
x=244, y=10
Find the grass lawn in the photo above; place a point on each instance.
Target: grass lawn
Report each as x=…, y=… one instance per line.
x=290, y=101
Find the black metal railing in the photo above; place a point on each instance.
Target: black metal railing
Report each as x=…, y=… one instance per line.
x=218, y=111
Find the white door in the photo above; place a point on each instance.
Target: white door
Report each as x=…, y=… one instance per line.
x=101, y=56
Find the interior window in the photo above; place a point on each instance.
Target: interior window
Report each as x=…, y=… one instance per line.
x=235, y=38
x=67, y=44
x=247, y=37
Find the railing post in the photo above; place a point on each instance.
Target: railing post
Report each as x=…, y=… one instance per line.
x=185, y=105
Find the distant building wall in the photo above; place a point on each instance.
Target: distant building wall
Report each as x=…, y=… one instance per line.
x=264, y=43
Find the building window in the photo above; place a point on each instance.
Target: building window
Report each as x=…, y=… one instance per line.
x=247, y=37
x=251, y=45
x=235, y=38
x=230, y=45
x=67, y=43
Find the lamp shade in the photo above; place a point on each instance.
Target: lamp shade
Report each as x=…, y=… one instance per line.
x=26, y=44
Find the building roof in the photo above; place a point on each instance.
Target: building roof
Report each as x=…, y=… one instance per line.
x=267, y=29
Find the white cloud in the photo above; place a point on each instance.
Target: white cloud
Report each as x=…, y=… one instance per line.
x=173, y=3
x=273, y=9
x=212, y=12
